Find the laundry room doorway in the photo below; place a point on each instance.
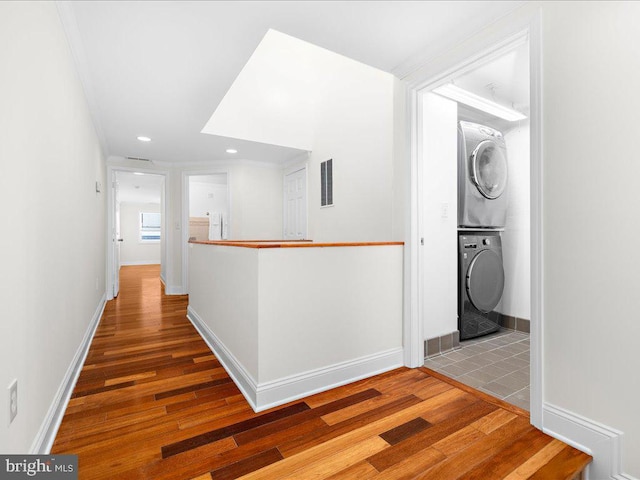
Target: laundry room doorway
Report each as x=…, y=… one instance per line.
x=476, y=224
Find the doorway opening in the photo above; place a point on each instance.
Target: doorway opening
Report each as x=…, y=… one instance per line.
x=136, y=223
x=435, y=219
x=206, y=212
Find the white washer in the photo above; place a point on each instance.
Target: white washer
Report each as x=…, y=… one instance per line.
x=482, y=176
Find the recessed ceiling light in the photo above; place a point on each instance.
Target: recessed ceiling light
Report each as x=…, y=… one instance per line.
x=144, y=139
x=138, y=173
x=232, y=150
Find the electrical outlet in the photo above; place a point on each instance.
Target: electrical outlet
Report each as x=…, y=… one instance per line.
x=13, y=400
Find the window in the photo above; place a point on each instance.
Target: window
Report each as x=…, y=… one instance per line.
x=149, y=227
x=326, y=183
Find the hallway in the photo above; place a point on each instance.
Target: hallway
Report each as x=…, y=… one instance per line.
x=152, y=402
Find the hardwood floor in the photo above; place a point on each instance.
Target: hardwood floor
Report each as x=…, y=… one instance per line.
x=152, y=402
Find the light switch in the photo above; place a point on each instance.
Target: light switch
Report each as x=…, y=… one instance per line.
x=444, y=210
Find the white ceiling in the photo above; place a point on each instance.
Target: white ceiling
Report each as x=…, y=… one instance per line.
x=160, y=69
x=134, y=188
x=504, y=80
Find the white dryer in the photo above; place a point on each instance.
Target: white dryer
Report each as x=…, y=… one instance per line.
x=481, y=282
x=482, y=176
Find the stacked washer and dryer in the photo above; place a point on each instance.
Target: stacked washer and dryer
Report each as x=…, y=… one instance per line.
x=482, y=211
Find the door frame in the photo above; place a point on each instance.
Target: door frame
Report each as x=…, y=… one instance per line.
x=285, y=174
x=522, y=25
x=185, y=216
x=111, y=172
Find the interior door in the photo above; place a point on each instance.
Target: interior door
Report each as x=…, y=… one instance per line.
x=116, y=238
x=295, y=205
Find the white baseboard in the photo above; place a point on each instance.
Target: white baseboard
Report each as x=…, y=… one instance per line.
x=173, y=289
x=603, y=443
x=163, y=280
x=243, y=380
x=46, y=435
x=287, y=389
x=271, y=394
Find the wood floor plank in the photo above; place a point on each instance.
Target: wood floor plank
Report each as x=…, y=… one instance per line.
x=562, y=466
x=192, y=388
x=503, y=462
x=404, y=431
x=296, y=465
x=458, y=440
x=297, y=419
x=218, y=434
x=359, y=471
x=358, y=409
x=457, y=465
x=494, y=420
x=532, y=464
x=247, y=465
x=409, y=468
x=348, y=457
x=431, y=435
x=400, y=406
x=199, y=460
x=153, y=403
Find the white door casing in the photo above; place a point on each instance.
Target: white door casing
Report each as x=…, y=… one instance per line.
x=116, y=239
x=113, y=260
x=295, y=205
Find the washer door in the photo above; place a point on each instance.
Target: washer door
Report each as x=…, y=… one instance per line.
x=485, y=280
x=489, y=169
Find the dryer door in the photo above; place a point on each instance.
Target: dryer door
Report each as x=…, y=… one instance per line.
x=489, y=169
x=485, y=280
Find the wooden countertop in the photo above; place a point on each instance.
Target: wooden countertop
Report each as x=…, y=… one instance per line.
x=289, y=243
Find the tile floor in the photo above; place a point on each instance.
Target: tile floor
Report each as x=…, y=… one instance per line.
x=497, y=364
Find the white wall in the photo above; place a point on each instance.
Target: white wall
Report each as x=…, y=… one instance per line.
x=52, y=249
x=256, y=202
x=322, y=307
x=289, y=322
x=132, y=250
x=401, y=166
x=516, y=238
x=255, y=192
x=440, y=187
x=224, y=293
x=207, y=198
x=300, y=95
x=591, y=75
x=354, y=126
